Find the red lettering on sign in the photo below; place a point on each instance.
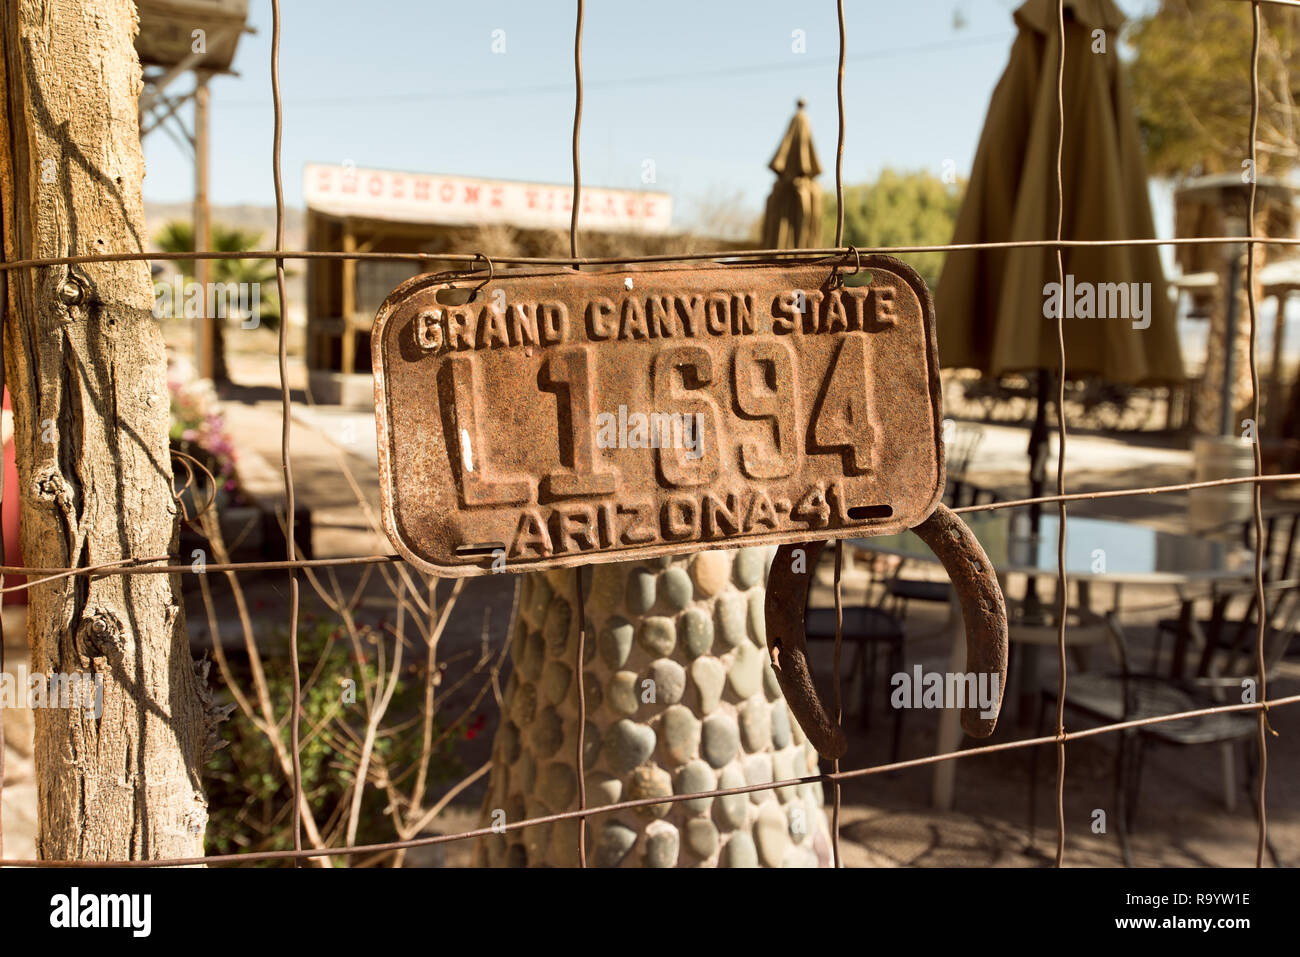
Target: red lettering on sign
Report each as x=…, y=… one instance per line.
x=422, y=189
x=496, y=196
x=446, y=192
x=376, y=186
x=471, y=193
x=532, y=198
x=399, y=187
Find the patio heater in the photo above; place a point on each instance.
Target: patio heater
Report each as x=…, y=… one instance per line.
x=1219, y=205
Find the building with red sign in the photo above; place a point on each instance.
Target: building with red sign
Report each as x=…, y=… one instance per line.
x=351, y=209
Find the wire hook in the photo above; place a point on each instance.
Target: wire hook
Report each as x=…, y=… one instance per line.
x=838, y=279
x=490, y=276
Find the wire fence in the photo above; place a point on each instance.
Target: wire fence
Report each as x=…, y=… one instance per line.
x=475, y=264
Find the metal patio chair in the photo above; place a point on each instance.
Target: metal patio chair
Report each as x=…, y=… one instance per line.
x=959, y=450
x=1221, y=679
x=1281, y=532
x=866, y=628
x=901, y=590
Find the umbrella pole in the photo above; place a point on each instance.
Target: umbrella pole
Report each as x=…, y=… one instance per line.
x=1227, y=404
x=1032, y=608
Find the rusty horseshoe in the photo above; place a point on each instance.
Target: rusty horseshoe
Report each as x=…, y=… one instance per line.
x=983, y=609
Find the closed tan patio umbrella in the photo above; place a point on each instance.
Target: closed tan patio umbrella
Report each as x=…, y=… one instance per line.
x=990, y=303
x=793, y=216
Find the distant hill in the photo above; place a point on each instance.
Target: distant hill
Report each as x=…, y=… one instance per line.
x=258, y=218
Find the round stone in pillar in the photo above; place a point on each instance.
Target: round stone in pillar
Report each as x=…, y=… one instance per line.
x=710, y=571
x=661, y=845
x=616, y=641
x=719, y=739
x=739, y=851
x=627, y=744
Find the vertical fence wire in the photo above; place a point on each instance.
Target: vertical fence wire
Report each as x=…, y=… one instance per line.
x=1256, y=505
x=4, y=309
x=577, y=572
x=839, y=141
x=577, y=131
x=582, y=714
x=837, y=704
x=839, y=543
x=286, y=455
x=1061, y=583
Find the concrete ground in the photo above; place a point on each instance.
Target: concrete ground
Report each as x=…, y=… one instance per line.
x=886, y=819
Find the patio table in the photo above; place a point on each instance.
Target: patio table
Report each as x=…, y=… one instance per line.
x=1096, y=550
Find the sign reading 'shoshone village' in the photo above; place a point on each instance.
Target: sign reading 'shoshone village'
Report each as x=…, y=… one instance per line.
x=576, y=417
x=462, y=200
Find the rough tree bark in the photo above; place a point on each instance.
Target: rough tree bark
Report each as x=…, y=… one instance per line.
x=85, y=365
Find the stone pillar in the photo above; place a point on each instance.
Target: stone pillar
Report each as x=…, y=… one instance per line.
x=680, y=698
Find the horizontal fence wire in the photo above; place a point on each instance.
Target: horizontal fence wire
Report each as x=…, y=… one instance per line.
x=926, y=761
x=145, y=566
x=829, y=255
x=479, y=263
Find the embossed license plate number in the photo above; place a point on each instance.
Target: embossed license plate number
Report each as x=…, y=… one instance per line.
x=578, y=417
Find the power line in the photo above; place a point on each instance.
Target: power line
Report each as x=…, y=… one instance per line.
x=566, y=86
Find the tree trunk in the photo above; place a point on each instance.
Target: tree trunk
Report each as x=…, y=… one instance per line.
x=680, y=698
x=85, y=364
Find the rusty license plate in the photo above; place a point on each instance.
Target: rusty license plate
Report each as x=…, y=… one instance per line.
x=575, y=417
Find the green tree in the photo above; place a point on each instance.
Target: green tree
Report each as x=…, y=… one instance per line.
x=1190, y=80
x=1191, y=86
x=900, y=208
x=178, y=236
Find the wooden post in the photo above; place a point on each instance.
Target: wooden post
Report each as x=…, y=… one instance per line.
x=206, y=342
x=349, y=352
x=311, y=334
x=86, y=368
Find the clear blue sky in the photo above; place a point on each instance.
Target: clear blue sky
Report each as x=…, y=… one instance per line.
x=704, y=88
